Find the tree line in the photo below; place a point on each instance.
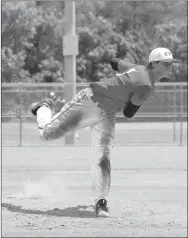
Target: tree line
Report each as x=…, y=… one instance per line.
x=32, y=35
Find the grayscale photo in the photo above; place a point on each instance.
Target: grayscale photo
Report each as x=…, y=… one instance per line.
x=93, y=118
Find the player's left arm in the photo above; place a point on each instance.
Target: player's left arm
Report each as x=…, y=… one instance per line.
x=121, y=65
x=139, y=96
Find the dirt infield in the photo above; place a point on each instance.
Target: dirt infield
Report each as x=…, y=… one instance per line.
x=47, y=192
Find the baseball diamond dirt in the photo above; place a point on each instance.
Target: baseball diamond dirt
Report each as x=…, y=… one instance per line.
x=46, y=191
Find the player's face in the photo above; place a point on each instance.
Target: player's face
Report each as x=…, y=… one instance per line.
x=164, y=69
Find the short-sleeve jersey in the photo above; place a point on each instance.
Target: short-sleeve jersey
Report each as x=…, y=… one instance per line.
x=113, y=94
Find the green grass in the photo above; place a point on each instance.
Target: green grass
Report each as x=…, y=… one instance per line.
x=126, y=133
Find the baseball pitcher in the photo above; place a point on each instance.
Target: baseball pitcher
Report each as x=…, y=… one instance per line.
x=97, y=106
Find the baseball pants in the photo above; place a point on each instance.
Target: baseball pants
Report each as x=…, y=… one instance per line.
x=79, y=113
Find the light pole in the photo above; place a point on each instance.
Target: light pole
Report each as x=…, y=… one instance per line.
x=70, y=50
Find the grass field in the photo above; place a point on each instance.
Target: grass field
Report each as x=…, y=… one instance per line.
x=126, y=133
x=46, y=192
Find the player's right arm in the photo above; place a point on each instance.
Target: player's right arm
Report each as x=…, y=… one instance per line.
x=121, y=65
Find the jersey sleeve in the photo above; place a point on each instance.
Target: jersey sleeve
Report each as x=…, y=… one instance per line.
x=124, y=65
x=140, y=95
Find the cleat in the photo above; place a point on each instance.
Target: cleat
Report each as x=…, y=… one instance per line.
x=36, y=105
x=102, y=209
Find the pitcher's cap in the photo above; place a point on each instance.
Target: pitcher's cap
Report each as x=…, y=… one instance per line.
x=162, y=54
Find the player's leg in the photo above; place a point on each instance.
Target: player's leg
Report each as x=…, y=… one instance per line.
x=102, y=143
x=76, y=114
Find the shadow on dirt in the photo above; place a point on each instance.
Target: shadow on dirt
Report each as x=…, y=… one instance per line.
x=79, y=211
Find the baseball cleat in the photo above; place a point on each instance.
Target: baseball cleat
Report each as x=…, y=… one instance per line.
x=102, y=209
x=36, y=105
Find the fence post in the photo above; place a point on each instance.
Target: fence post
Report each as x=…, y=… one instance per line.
x=174, y=114
x=20, y=114
x=181, y=113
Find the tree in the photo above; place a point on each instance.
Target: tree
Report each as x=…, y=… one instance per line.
x=32, y=37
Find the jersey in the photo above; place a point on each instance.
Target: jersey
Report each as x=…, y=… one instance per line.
x=132, y=85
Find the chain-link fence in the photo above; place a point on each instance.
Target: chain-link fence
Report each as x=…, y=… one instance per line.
x=162, y=119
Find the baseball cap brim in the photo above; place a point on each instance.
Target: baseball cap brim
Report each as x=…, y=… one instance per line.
x=171, y=60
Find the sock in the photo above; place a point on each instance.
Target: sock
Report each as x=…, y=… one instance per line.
x=44, y=116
